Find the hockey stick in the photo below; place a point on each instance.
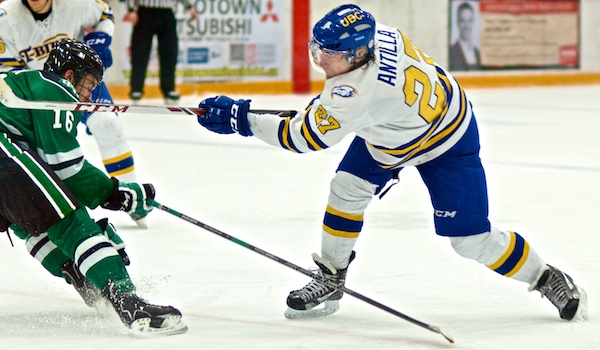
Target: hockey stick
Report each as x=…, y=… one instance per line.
x=9, y=99
x=299, y=269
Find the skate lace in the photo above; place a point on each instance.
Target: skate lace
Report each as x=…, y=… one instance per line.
x=314, y=289
x=557, y=290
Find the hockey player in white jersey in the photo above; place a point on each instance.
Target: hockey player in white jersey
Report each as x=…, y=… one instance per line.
x=28, y=31
x=405, y=111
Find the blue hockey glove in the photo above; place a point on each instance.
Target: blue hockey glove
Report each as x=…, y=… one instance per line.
x=225, y=116
x=100, y=42
x=130, y=197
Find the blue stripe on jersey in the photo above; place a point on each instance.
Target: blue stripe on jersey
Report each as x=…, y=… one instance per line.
x=445, y=83
x=437, y=139
x=341, y=224
x=12, y=62
x=284, y=135
x=417, y=144
x=444, y=134
x=116, y=167
x=514, y=257
x=406, y=148
x=312, y=139
x=108, y=16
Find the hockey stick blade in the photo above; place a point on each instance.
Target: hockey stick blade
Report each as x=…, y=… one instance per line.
x=9, y=99
x=299, y=269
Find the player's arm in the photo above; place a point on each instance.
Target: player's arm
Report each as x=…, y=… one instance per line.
x=318, y=128
x=98, y=16
x=9, y=55
x=56, y=135
x=9, y=61
x=59, y=147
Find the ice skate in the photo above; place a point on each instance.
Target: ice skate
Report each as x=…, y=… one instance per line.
x=172, y=98
x=143, y=317
x=90, y=294
x=135, y=97
x=324, y=289
x=558, y=287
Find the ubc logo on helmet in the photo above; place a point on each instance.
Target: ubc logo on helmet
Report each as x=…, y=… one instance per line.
x=351, y=18
x=345, y=28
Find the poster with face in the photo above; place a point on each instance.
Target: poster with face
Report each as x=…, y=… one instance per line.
x=513, y=34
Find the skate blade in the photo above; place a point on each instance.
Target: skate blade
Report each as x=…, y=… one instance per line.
x=170, y=326
x=329, y=307
x=582, y=309
x=140, y=222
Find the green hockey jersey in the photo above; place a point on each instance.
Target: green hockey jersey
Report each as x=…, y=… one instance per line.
x=52, y=134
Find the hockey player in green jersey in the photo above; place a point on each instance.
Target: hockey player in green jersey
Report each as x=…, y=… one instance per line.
x=47, y=185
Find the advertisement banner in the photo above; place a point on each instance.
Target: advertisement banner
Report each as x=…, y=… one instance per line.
x=500, y=34
x=231, y=40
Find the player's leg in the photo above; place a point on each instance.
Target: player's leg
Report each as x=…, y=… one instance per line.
x=357, y=179
x=168, y=44
x=39, y=202
x=108, y=132
x=141, y=46
x=81, y=239
x=33, y=207
x=457, y=185
x=60, y=265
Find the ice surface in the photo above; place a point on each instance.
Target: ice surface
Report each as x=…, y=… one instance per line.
x=540, y=147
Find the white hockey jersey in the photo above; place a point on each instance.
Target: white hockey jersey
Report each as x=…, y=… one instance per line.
x=26, y=43
x=407, y=109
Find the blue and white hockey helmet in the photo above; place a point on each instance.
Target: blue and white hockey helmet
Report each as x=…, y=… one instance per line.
x=345, y=29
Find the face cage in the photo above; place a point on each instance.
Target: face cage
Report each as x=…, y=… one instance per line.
x=317, y=51
x=84, y=86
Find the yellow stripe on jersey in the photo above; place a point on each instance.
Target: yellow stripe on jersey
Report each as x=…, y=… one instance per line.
x=514, y=258
x=119, y=165
x=306, y=133
x=452, y=127
x=285, y=132
x=415, y=146
x=338, y=233
x=504, y=257
x=122, y=172
x=446, y=82
x=431, y=143
x=347, y=216
x=117, y=158
x=420, y=144
x=521, y=261
x=14, y=63
x=340, y=224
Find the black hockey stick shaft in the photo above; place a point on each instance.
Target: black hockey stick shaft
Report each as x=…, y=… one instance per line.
x=298, y=268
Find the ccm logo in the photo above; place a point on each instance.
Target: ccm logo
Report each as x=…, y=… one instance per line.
x=234, y=117
x=444, y=213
